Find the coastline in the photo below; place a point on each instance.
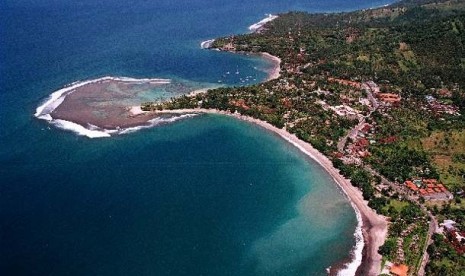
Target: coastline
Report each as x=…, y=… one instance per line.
x=275, y=72
x=135, y=119
x=373, y=227
x=258, y=27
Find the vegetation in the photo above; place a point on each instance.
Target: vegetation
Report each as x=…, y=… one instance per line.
x=414, y=50
x=444, y=260
x=447, y=151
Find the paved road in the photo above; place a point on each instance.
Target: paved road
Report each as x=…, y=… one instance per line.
x=433, y=226
x=352, y=134
x=354, y=131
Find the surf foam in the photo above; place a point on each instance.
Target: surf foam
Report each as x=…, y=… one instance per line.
x=78, y=129
x=206, y=44
x=357, y=251
x=44, y=110
x=93, y=131
x=255, y=27
x=155, y=122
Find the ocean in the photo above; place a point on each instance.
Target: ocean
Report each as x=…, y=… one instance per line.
x=207, y=195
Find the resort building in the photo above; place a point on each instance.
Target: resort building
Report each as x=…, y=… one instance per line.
x=395, y=269
x=429, y=189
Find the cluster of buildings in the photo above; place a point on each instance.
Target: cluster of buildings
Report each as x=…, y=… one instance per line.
x=439, y=107
x=362, y=139
x=385, y=99
x=429, y=189
x=345, y=111
x=389, y=99
x=453, y=234
x=359, y=148
x=354, y=84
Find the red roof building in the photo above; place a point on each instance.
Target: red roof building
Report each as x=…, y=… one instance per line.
x=399, y=270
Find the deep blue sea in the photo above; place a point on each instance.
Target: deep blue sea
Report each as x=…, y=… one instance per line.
x=208, y=195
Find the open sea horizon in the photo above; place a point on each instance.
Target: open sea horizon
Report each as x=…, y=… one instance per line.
x=208, y=195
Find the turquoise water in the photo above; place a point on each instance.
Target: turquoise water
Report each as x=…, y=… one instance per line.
x=204, y=196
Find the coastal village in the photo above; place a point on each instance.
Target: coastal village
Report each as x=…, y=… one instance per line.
x=403, y=150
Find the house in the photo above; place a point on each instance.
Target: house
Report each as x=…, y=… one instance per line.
x=366, y=128
x=445, y=93
x=388, y=140
x=345, y=111
x=454, y=235
x=448, y=224
x=229, y=47
x=354, y=84
x=389, y=98
x=399, y=270
x=411, y=186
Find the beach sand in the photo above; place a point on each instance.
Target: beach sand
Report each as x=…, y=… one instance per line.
x=275, y=72
x=374, y=226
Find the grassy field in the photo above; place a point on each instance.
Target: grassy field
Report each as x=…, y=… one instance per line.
x=447, y=151
x=397, y=204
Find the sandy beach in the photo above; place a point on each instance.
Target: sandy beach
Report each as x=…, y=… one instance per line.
x=374, y=226
x=275, y=72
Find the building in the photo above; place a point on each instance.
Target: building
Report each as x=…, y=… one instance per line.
x=411, y=186
x=353, y=84
x=399, y=270
x=454, y=235
x=429, y=189
x=345, y=111
x=389, y=99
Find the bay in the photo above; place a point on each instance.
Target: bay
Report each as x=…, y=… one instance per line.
x=204, y=196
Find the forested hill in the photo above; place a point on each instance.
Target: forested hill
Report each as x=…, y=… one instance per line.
x=413, y=46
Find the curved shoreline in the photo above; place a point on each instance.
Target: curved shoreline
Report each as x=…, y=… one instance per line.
x=275, y=72
x=53, y=101
x=371, y=230
x=56, y=98
x=373, y=227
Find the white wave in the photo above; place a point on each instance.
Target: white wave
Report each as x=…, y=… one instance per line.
x=57, y=97
x=260, y=24
x=93, y=131
x=153, y=81
x=206, y=44
x=79, y=130
x=44, y=110
x=357, y=251
x=155, y=122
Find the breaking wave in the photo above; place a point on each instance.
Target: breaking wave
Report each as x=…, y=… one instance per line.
x=206, y=44
x=92, y=131
x=255, y=27
x=44, y=111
